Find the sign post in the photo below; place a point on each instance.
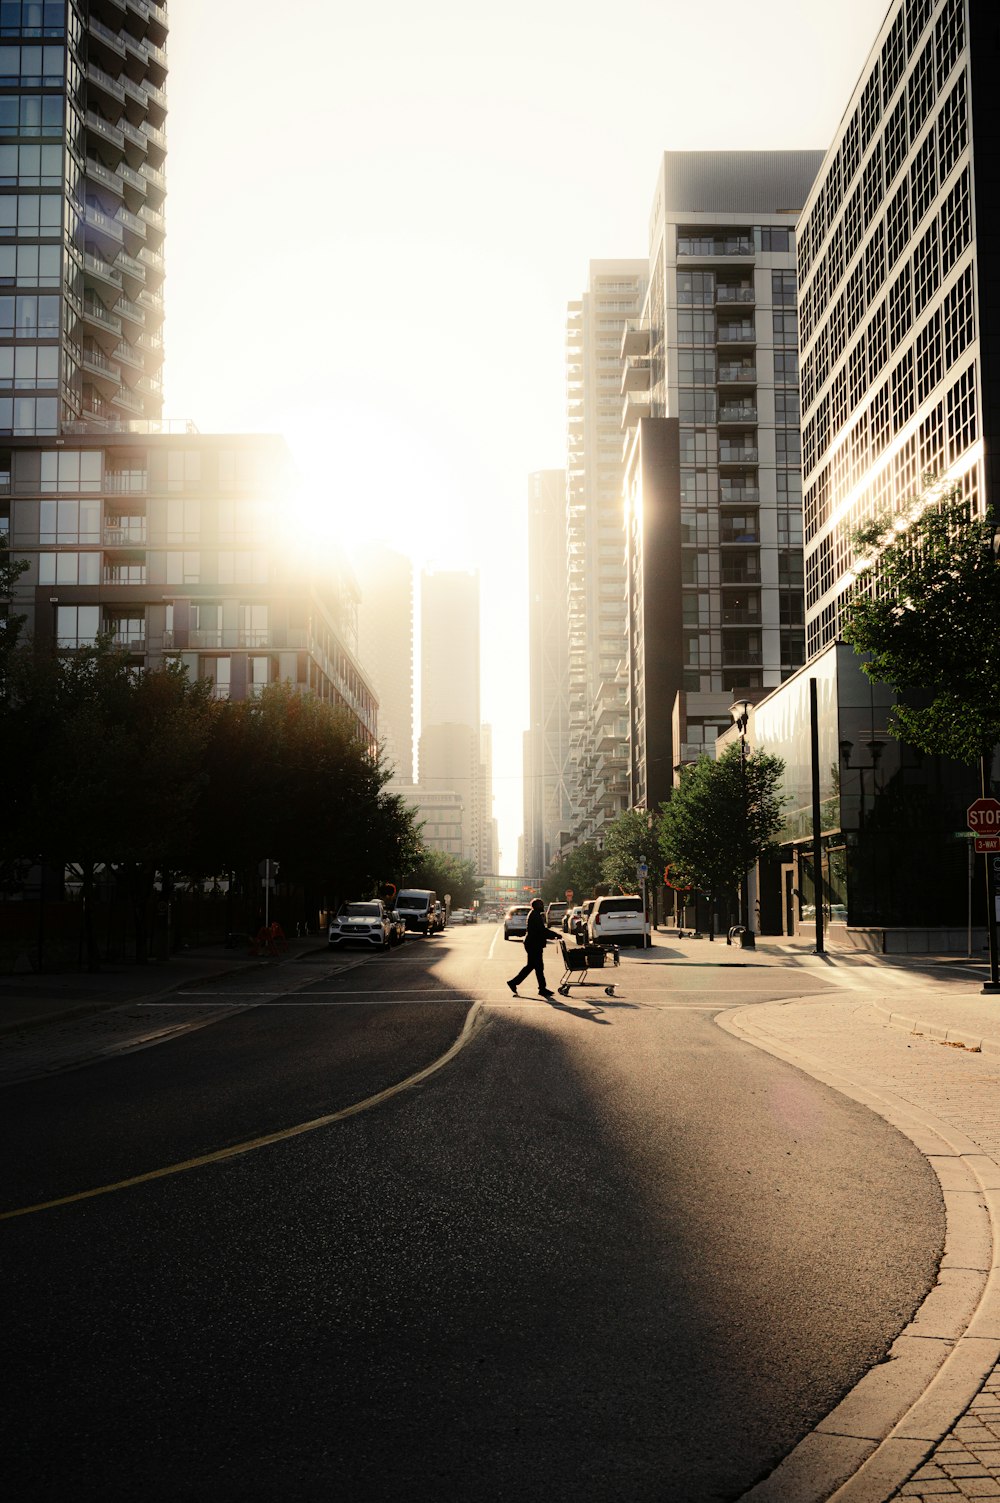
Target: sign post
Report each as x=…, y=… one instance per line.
x=983, y=819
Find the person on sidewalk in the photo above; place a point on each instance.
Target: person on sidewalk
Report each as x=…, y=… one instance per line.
x=535, y=935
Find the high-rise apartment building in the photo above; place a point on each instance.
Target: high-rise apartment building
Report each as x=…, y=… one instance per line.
x=898, y=302
x=385, y=642
x=450, y=751
x=595, y=537
x=547, y=808
x=82, y=147
x=715, y=350
x=898, y=320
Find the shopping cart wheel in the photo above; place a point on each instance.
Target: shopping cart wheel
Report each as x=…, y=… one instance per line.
x=609, y=991
x=563, y=991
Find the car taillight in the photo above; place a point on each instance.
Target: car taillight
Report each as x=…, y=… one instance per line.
x=597, y=918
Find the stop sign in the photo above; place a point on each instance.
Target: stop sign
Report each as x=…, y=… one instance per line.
x=983, y=816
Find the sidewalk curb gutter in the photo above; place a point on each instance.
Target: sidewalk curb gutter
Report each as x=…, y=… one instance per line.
x=935, y=1031
x=893, y=1419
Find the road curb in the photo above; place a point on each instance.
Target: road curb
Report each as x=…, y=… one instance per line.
x=892, y=1420
x=977, y=1042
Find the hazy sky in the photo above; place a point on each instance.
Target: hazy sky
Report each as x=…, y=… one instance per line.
x=377, y=215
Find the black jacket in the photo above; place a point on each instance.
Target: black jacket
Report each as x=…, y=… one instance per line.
x=537, y=931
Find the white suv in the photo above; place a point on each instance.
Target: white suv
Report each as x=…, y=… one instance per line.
x=515, y=921
x=618, y=920
x=361, y=924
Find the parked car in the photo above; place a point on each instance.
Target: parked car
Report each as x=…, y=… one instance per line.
x=366, y=923
x=397, y=927
x=571, y=918
x=618, y=920
x=440, y=917
x=581, y=923
x=515, y=921
x=460, y=916
x=416, y=904
x=554, y=914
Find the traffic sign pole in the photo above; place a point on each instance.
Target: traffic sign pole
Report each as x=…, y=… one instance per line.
x=983, y=819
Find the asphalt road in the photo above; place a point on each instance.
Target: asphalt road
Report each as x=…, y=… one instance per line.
x=608, y=1252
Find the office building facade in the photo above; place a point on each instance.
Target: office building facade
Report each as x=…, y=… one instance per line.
x=547, y=807
x=165, y=544
x=898, y=307
x=385, y=643
x=595, y=536
x=716, y=352
x=82, y=187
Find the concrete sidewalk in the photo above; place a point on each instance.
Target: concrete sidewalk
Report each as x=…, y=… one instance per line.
x=916, y=1041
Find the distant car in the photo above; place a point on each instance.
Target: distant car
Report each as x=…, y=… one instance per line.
x=397, y=927
x=618, y=920
x=554, y=914
x=515, y=921
x=440, y=917
x=366, y=923
x=460, y=916
x=571, y=918
x=581, y=924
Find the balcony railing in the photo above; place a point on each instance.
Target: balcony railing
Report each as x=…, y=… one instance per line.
x=100, y=126
x=125, y=482
x=734, y=494
x=125, y=574
x=737, y=412
x=745, y=536
x=735, y=334
x=737, y=454
x=707, y=245
x=731, y=373
x=725, y=294
x=125, y=537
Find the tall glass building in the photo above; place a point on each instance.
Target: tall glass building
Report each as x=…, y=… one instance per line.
x=82, y=148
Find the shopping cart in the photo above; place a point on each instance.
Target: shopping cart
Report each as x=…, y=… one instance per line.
x=579, y=962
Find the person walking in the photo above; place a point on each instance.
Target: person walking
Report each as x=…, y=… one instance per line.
x=535, y=935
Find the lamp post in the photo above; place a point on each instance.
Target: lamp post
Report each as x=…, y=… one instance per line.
x=740, y=711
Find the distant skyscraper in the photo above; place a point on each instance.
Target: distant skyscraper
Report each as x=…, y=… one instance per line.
x=595, y=538
x=82, y=150
x=385, y=644
x=547, y=807
x=450, y=754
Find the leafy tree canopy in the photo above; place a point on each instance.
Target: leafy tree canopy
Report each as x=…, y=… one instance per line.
x=927, y=610
x=580, y=869
x=706, y=834
x=443, y=872
x=631, y=839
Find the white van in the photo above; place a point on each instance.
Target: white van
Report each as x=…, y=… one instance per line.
x=618, y=920
x=416, y=905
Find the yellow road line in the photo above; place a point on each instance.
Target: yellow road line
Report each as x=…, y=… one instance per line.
x=472, y=1022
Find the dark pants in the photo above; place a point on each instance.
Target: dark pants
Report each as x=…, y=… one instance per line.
x=534, y=962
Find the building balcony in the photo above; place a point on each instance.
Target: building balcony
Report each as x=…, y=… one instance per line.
x=741, y=536
x=726, y=294
x=133, y=273
x=134, y=186
x=733, y=374
x=125, y=574
x=111, y=41
x=129, y=356
x=714, y=245
x=740, y=616
x=108, y=181
x=733, y=333
x=737, y=454
x=107, y=327
x=136, y=93
x=737, y=412
x=129, y=642
x=737, y=495
x=635, y=376
x=125, y=482
x=635, y=341
x=104, y=131
x=129, y=401
x=134, y=143
x=109, y=88
x=104, y=372
x=634, y=407
x=102, y=271
x=131, y=312
x=102, y=228
x=746, y=572
x=133, y=227
x=126, y=533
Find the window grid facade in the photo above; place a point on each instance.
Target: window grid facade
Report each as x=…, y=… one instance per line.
x=890, y=369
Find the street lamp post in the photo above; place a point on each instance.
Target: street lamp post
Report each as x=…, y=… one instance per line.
x=740, y=711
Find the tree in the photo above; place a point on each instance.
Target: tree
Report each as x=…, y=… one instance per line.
x=444, y=873
x=580, y=869
x=927, y=610
x=629, y=840
x=712, y=831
